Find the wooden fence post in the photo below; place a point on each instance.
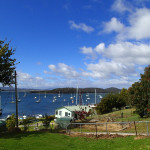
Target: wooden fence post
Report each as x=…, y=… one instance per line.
x=106, y=128
x=80, y=128
x=135, y=128
x=96, y=129
x=147, y=128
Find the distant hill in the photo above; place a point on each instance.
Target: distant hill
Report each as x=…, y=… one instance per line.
x=112, y=90
x=83, y=90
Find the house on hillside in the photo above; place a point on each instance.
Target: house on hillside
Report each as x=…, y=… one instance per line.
x=69, y=111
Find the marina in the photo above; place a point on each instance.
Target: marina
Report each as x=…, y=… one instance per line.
x=34, y=103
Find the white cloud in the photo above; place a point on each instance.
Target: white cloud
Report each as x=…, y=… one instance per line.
x=139, y=25
x=89, y=52
x=129, y=53
x=81, y=26
x=113, y=25
x=138, y=28
x=119, y=60
x=100, y=48
x=121, y=6
x=63, y=70
x=86, y=50
x=105, y=69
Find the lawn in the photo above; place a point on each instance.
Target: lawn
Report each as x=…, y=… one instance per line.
x=56, y=141
x=128, y=115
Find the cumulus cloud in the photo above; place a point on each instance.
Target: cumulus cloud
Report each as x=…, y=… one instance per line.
x=129, y=53
x=81, y=26
x=121, y=6
x=105, y=69
x=100, y=48
x=26, y=80
x=113, y=25
x=89, y=52
x=63, y=70
x=139, y=25
x=118, y=60
x=137, y=28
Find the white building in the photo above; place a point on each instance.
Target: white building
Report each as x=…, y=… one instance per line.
x=69, y=111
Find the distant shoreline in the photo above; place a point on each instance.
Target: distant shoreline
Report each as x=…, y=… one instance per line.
x=68, y=90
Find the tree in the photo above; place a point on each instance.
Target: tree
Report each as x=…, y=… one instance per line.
x=124, y=96
x=109, y=102
x=7, y=64
x=139, y=93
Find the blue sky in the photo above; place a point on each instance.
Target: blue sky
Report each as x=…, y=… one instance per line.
x=85, y=43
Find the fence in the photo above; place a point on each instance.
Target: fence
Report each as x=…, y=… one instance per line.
x=122, y=128
x=38, y=126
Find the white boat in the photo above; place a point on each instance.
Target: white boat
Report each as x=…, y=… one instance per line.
x=19, y=100
x=55, y=97
x=71, y=97
x=59, y=94
x=87, y=95
x=12, y=100
x=25, y=94
x=100, y=96
x=45, y=95
x=39, y=100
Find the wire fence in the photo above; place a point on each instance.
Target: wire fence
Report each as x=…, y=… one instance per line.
x=38, y=126
x=122, y=128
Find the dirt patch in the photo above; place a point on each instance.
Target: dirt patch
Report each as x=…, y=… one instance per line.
x=102, y=127
x=101, y=136
x=141, y=137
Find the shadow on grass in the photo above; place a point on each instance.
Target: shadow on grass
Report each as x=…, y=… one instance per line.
x=19, y=135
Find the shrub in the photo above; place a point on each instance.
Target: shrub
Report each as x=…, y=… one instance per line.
x=10, y=123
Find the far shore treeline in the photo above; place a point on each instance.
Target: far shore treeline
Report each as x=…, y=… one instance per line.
x=69, y=90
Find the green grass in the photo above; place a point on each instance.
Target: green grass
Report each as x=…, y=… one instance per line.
x=128, y=115
x=53, y=141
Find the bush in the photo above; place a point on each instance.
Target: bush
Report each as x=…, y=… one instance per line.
x=46, y=120
x=10, y=123
x=109, y=102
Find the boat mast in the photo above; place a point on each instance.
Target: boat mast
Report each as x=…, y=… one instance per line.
x=95, y=96
x=77, y=96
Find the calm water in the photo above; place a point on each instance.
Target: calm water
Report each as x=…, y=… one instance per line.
x=28, y=105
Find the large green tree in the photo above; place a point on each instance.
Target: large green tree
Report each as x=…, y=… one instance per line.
x=109, y=102
x=7, y=63
x=139, y=93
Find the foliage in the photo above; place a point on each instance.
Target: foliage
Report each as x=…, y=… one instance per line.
x=25, y=123
x=10, y=123
x=7, y=64
x=139, y=94
x=82, y=114
x=46, y=121
x=124, y=96
x=109, y=102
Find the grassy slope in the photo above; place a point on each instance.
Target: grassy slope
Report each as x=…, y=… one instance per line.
x=49, y=141
x=128, y=115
